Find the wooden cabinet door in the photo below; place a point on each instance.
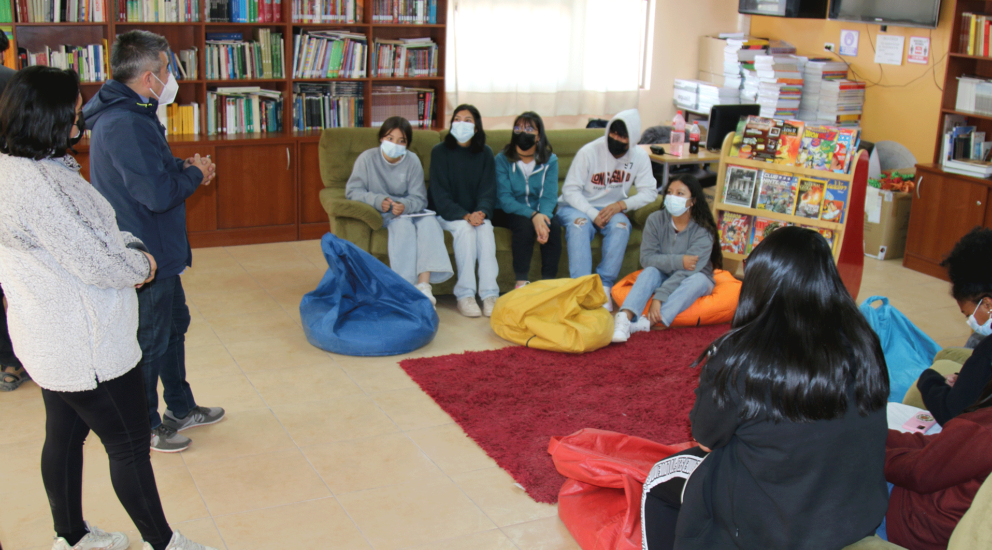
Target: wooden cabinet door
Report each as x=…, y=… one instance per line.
x=944, y=209
x=201, y=207
x=256, y=185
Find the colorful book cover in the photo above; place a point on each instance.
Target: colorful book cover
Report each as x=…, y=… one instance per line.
x=740, y=185
x=847, y=145
x=735, y=147
x=761, y=228
x=777, y=192
x=828, y=234
x=790, y=138
x=834, y=201
x=760, y=141
x=735, y=231
x=817, y=147
x=810, y=197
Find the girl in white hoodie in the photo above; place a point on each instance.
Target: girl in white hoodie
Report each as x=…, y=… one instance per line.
x=596, y=197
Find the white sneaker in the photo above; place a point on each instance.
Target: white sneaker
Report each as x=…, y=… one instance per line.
x=488, y=304
x=426, y=289
x=609, y=299
x=621, y=327
x=521, y=284
x=468, y=307
x=180, y=542
x=96, y=539
x=642, y=324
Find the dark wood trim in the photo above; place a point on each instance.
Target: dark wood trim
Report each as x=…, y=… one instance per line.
x=249, y=235
x=310, y=231
x=911, y=261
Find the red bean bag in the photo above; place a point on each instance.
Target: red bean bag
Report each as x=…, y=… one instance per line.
x=717, y=308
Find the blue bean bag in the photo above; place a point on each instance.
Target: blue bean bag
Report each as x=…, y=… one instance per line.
x=361, y=307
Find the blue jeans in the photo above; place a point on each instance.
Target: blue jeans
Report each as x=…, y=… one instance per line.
x=578, y=239
x=691, y=289
x=163, y=319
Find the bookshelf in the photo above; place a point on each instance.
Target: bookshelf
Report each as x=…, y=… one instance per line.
x=250, y=201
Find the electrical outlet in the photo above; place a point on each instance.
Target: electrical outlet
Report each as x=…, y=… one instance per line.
x=830, y=47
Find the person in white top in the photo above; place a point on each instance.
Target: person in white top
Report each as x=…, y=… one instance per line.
x=596, y=196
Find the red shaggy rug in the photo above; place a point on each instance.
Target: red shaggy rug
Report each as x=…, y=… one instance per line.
x=513, y=400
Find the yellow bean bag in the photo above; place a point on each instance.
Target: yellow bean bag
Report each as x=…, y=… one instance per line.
x=556, y=315
x=719, y=307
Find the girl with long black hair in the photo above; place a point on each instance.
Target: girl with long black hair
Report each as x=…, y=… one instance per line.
x=679, y=250
x=789, y=415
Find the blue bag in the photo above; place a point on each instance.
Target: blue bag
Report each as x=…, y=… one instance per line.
x=908, y=350
x=361, y=307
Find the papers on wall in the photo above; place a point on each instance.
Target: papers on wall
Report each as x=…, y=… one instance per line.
x=888, y=49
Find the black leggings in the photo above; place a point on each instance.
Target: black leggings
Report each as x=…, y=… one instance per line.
x=663, y=497
x=118, y=412
x=522, y=245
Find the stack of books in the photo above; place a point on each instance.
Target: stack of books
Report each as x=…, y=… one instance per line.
x=963, y=149
x=229, y=57
x=737, y=51
x=185, y=65
x=841, y=102
x=180, y=119
x=159, y=11
x=685, y=93
x=711, y=94
x=64, y=11
x=404, y=12
x=318, y=105
x=780, y=85
x=817, y=70
x=329, y=54
x=751, y=85
x=406, y=57
x=414, y=104
x=248, y=109
x=328, y=11
x=89, y=61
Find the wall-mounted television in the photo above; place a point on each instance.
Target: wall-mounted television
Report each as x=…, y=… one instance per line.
x=898, y=13
x=805, y=9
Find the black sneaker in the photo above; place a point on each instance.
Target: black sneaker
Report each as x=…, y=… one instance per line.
x=199, y=416
x=166, y=440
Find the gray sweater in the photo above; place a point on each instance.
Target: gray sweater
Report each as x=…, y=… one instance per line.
x=662, y=248
x=68, y=274
x=373, y=179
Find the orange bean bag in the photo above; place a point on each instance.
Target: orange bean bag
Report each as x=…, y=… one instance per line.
x=719, y=307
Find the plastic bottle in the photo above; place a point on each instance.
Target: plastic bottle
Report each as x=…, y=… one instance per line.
x=694, y=139
x=677, y=140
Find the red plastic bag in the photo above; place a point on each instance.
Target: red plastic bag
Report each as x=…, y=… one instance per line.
x=600, y=504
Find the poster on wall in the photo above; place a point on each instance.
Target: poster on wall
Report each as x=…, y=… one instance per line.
x=888, y=49
x=919, y=50
x=849, y=43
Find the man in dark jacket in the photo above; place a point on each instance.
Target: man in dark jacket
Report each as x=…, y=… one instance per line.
x=132, y=166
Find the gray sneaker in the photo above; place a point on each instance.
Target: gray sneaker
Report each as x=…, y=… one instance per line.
x=179, y=542
x=166, y=440
x=96, y=539
x=199, y=416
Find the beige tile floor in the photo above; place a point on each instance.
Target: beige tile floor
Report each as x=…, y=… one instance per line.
x=326, y=451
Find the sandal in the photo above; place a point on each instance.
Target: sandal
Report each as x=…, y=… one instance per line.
x=10, y=380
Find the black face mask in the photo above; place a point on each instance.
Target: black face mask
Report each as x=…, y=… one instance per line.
x=80, y=124
x=526, y=141
x=617, y=148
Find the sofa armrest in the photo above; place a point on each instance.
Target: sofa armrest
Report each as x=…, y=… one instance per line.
x=338, y=207
x=873, y=543
x=640, y=216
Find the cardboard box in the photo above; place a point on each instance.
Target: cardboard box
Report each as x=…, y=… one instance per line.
x=886, y=223
x=711, y=54
x=718, y=79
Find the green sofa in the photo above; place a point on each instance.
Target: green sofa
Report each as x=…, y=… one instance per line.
x=361, y=224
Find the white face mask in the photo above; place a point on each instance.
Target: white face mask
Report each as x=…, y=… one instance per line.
x=169, y=90
x=463, y=131
x=392, y=150
x=983, y=330
x=676, y=205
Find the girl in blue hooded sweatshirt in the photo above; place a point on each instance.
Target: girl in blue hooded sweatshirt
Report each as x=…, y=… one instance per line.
x=526, y=195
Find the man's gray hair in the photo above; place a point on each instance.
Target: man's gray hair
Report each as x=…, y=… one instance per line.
x=135, y=52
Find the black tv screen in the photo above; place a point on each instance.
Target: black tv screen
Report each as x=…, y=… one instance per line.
x=899, y=13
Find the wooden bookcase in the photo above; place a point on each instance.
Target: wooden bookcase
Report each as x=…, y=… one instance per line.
x=719, y=206
x=267, y=184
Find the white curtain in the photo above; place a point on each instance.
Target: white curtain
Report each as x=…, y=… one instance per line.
x=555, y=57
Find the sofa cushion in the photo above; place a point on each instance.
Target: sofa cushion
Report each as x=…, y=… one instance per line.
x=340, y=148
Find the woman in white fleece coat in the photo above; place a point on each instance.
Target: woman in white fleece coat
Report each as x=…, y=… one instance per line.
x=69, y=276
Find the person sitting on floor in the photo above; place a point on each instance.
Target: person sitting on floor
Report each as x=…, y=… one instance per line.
x=594, y=198
x=527, y=192
x=791, y=409
x=969, y=266
x=934, y=478
x=391, y=181
x=679, y=250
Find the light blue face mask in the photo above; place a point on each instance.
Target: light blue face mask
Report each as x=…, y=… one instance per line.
x=676, y=205
x=983, y=330
x=392, y=150
x=463, y=131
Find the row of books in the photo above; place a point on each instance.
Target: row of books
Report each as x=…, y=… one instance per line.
x=318, y=105
x=406, y=57
x=240, y=110
x=159, y=11
x=974, y=94
x=329, y=54
x=328, y=11
x=740, y=233
x=975, y=34
x=828, y=97
x=228, y=57
x=6, y=16
x=795, y=143
x=405, y=12
x=964, y=149
x=180, y=119
x=185, y=65
x=89, y=61
x=785, y=193
x=61, y=11
x=418, y=105
x=254, y=11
